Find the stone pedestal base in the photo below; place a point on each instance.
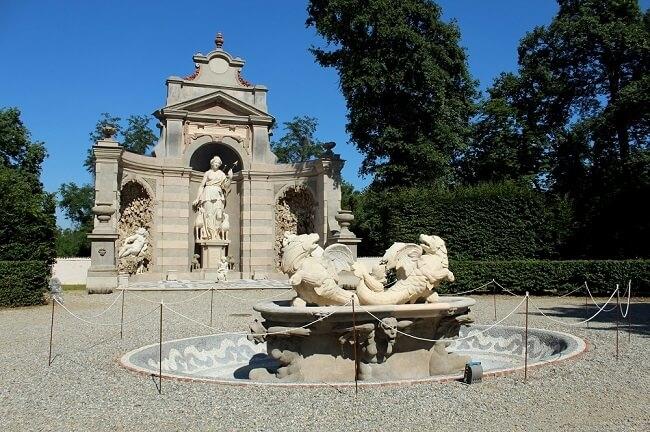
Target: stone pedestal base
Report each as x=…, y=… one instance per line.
x=350, y=241
x=212, y=251
x=102, y=274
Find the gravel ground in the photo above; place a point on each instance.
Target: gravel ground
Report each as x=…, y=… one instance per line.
x=86, y=389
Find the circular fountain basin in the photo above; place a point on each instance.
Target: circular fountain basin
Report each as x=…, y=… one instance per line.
x=282, y=311
x=228, y=359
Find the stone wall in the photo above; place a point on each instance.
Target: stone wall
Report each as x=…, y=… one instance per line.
x=71, y=271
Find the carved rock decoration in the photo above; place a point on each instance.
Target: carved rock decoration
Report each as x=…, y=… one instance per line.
x=136, y=211
x=294, y=214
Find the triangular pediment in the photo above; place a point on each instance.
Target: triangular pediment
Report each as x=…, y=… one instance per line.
x=217, y=103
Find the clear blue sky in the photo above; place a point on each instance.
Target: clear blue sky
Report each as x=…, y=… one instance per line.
x=65, y=62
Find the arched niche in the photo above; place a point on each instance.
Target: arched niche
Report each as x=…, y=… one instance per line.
x=201, y=152
x=295, y=212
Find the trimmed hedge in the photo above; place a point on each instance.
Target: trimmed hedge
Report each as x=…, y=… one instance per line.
x=485, y=222
x=538, y=276
x=23, y=283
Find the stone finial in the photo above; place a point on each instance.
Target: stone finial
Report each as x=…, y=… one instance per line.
x=108, y=131
x=218, y=41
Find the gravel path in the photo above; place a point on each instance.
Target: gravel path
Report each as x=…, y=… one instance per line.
x=86, y=389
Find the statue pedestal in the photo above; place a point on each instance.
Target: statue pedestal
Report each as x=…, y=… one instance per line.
x=212, y=251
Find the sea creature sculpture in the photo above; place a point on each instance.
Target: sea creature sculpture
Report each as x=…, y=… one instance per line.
x=314, y=271
x=420, y=269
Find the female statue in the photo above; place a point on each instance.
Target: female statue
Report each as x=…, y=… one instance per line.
x=211, y=198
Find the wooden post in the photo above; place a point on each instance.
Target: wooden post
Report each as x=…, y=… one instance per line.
x=49, y=358
x=356, y=362
x=160, y=350
x=526, y=342
x=211, y=302
x=122, y=316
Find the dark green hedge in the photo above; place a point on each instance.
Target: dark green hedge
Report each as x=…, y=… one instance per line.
x=490, y=221
x=23, y=283
x=538, y=276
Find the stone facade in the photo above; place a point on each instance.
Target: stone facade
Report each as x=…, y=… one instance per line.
x=212, y=112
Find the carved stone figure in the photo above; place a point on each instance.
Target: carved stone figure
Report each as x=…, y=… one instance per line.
x=294, y=213
x=224, y=228
x=222, y=271
x=314, y=272
x=134, y=245
x=211, y=197
x=136, y=211
x=196, y=264
x=199, y=224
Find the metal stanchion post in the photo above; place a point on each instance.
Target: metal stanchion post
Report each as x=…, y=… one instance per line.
x=618, y=312
x=122, y=316
x=49, y=358
x=586, y=306
x=629, y=315
x=211, y=302
x=494, y=300
x=356, y=362
x=160, y=350
x=526, y=342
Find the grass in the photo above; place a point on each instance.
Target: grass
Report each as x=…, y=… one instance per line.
x=73, y=287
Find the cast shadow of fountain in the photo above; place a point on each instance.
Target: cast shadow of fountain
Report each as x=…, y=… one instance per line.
x=258, y=361
x=639, y=314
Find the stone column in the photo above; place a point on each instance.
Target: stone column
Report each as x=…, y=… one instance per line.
x=102, y=274
x=345, y=236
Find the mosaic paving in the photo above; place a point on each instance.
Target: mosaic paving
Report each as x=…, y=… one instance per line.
x=229, y=358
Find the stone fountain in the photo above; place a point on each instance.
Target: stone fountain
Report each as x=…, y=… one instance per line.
x=382, y=324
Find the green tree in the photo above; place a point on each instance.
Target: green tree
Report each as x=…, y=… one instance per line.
x=298, y=143
x=405, y=79
x=576, y=118
x=503, y=147
x=76, y=202
x=27, y=221
x=136, y=136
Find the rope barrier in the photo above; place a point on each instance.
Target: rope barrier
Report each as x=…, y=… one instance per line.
x=629, y=294
x=475, y=289
x=117, y=297
x=594, y=300
x=583, y=321
x=223, y=291
x=450, y=340
x=104, y=324
x=505, y=289
x=223, y=332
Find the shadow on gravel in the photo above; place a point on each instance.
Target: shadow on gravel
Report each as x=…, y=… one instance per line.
x=639, y=315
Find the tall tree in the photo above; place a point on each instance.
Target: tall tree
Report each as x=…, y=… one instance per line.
x=298, y=143
x=27, y=221
x=578, y=110
x=406, y=83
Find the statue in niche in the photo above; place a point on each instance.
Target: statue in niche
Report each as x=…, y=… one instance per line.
x=210, y=201
x=134, y=245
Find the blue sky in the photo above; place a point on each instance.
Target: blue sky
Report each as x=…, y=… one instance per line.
x=65, y=62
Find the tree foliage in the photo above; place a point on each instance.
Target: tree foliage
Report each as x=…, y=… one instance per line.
x=298, y=143
x=27, y=221
x=136, y=136
x=77, y=202
x=406, y=83
x=574, y=119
